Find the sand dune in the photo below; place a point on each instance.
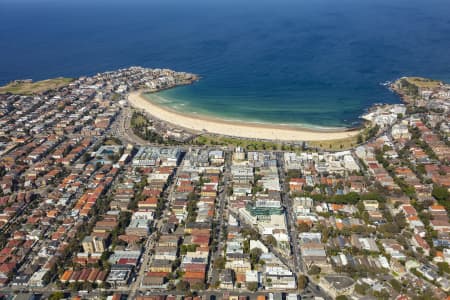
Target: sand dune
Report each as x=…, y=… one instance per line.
x=238, y=129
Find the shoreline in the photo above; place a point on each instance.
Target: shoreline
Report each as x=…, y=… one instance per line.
x=240, y=129
x=158, y=100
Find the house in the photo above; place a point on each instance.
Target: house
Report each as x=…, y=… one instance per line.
x=338, y=285
x=138, y=227
x=296, y=185
x=408, y=210
x=161, y=266
x=279, y=277
x=419, y=243
x=154, y=280
x=370, y=205
x=119, y=275
x=195, y=273
x=38, y=278
x=313, y=254
x=252, y=277
x=166, y=253
x=440, y=225
x=393, y=248
x=168, y=240
x=227, y=279
x=428, y=272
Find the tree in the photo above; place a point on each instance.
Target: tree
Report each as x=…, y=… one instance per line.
x=360, y=139
x=350, y=198
x=215, y=284
x=361, y=288
x=360, y=207
x=271, y=241
x=252, y=286
x=56, y=296
x=250, y=233
x=246, y=246
x=400, y=220
x=440, y=193
x=396, y=285
x=372, y=132
x=421, y=169
x=188, y=248
x=383, y=294
x=182, y=286
x=219, y=263
x=303, y=227
x=199, y=286
x=443, y=268
x=386, y=148
x=314, y=270
x=255, y=254
x=302, y=282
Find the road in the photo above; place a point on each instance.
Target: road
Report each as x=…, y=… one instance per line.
x=287, y=203
x=101, y=293
x=143, y=266
x=151, y=240
x=290, y=218
x=220, y=216
x=121, y=128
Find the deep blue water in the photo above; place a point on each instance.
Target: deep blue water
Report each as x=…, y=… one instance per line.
x=317, y=62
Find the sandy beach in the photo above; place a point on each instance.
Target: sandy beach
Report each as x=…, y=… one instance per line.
x=203, y=123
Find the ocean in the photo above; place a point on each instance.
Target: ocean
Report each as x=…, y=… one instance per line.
x=316, y=63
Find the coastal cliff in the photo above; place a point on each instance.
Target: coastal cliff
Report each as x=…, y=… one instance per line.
x=28, y=87
x=411, y=89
